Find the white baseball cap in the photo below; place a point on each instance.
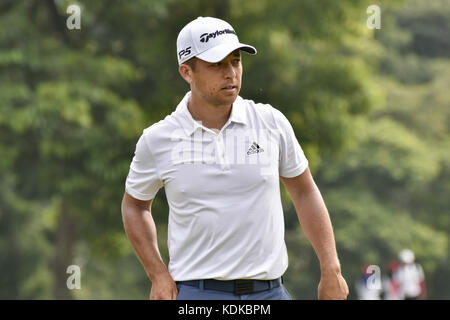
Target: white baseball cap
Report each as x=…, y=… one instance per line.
x=209, y=39
x=406, y=256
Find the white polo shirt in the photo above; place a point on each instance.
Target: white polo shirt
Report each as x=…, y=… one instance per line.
x=225, y=213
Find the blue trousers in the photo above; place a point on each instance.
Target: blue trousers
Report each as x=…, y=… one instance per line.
x=186, y=292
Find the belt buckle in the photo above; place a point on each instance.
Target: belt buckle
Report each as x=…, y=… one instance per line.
x=243, y=286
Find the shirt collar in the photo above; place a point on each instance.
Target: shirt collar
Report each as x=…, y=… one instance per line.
x=238, y=114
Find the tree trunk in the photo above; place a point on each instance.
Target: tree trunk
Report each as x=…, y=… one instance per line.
x=63, y=254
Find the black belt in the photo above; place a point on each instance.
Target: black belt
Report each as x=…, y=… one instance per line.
x=240, y=286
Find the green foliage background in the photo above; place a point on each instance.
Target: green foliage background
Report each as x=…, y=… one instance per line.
x=369, y=107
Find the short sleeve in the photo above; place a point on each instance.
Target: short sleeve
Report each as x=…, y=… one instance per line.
x=143, y=181
x=293, y=161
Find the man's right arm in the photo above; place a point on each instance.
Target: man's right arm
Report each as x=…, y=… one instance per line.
x=141, y=231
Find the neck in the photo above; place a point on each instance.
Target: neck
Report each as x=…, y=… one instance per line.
x=212, y=116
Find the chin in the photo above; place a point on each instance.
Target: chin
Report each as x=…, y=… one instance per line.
x=229, y=100
x=222, y=100
x=230, y=97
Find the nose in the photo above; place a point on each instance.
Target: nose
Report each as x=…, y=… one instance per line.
x=229, y=71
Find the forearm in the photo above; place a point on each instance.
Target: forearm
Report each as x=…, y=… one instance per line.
x=315, y=221
x=141, y=231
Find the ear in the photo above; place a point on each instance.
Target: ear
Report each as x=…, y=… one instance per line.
x=186, y=72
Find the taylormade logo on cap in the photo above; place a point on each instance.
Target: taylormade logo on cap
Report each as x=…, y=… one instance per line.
x=204, y=37
x=209, y=39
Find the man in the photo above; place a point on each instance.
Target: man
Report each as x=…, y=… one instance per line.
x=219, y=158
x=409, y=277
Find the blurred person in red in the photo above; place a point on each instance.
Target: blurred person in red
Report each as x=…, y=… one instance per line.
x=391, y=288
x=409, y=276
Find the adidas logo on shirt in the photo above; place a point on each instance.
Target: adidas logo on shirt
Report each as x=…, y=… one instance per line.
x=255, y=148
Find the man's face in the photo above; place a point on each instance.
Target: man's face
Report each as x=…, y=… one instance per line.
x=218, y=83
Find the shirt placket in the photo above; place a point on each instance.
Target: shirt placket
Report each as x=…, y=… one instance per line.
x=220, y=152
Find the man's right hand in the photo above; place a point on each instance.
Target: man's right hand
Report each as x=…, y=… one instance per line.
x=141, y=230
x=164, y=289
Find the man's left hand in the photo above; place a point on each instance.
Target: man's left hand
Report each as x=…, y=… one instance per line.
x=332, y=286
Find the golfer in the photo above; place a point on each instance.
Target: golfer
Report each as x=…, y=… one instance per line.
x=220, y=159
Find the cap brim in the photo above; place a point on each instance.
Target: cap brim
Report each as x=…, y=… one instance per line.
x=218, y=53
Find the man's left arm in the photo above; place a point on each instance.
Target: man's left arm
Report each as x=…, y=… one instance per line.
x=315, y=221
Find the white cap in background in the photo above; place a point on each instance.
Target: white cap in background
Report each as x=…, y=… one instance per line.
x=406, y=256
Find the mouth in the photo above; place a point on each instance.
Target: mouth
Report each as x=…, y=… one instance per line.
x=230, y=88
